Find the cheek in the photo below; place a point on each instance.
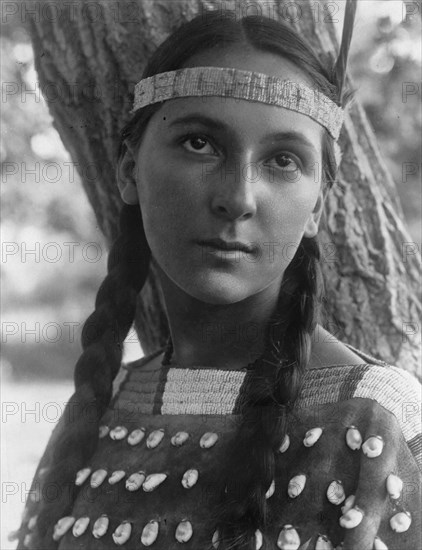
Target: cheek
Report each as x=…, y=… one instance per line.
x=170, y=196
x=290, y=211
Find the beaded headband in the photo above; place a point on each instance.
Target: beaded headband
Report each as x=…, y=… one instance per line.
x=239, y=84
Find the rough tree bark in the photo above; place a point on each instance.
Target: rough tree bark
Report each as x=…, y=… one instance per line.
x=93, y=53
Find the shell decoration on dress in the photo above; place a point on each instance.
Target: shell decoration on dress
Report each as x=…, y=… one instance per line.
x=208, y=440
x=312, y=436
x=190, y=477
x=400, y=522
x=285, y=444
x=135, y=481
x=118, y=433
x=335, y=492
x=98, y=477
x=184, y=531
x=351, y=518
x=353, y=438
x=150, y=533
x=136, y=436
x=394, y=486
x=288, y=538
x=122, y=533
x=100, y=526
x=151, y=458
x=296, y=485
x=80, y=526
x=155, y=438
x=116, y=476
x=373, y=446
x=323, y=543
x=63, y=526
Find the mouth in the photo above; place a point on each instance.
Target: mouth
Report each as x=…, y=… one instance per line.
x=220, y=244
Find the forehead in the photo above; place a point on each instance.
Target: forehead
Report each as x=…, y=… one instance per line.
x=242, y=117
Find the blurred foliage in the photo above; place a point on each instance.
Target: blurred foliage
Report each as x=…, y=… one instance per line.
x=385, y=64
x=43, y=208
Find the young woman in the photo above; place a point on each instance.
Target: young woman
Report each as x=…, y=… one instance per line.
x=254, y=428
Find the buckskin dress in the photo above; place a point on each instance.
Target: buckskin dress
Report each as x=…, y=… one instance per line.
x=348, y=471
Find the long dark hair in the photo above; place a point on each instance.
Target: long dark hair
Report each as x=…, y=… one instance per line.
x=274, y=382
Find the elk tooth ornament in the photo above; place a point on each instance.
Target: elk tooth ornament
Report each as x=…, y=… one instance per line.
x=122, y=533
x=190, y=477
x=103, y=431
x=100, y=526
x=373, y=446
x=155, y=438
x=323, y=543
x=82, y=476
x=118, y=433
x=351, y=518
x=271, y=490
x=288, y=538
x=216, y=539
x=153, y=481
x=98, y=477
x=184, y=531
x=135, y=481
x=116, y=476
x=353, y=438
x=208, y=440
x=136, y=436
x=296, y=485
x=150, y=533
x=80, y=526
x=179, y=439
x=32, y=523
x=348, y=504
x=312, y=436
x=394, y=486
x=62, y=526
x=259, y=541
x=400, y=522
x=379, y=544
x=285, y=444
x=335, y=492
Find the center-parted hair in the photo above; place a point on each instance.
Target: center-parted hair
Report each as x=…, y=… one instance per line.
x=275, y=379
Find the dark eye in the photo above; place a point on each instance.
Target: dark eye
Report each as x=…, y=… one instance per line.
x=287, y=162
x=198, y=144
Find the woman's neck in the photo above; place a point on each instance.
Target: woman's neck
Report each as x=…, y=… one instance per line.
x=229, y=336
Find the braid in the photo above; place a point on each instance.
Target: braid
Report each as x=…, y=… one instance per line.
x=102, y=338
x=274, y=384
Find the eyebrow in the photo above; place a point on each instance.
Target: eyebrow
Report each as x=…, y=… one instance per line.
x=293, y=137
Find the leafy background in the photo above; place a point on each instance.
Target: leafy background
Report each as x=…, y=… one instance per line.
x=50, y=207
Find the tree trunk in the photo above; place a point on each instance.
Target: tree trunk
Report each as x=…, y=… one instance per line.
x=92, y=53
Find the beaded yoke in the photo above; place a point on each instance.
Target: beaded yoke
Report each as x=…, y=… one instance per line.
x=348, y=470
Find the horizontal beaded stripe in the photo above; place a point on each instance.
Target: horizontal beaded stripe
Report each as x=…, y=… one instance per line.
x=216, y=391
x=201, y=391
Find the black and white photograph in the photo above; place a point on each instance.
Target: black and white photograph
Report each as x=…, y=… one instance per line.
x=211, y=218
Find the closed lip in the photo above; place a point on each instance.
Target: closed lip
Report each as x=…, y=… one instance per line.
x=228, y=245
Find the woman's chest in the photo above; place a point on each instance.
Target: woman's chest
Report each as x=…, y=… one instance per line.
x=159, y=479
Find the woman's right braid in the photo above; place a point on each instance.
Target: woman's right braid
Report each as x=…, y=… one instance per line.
x=274, y=385
x=102, y=341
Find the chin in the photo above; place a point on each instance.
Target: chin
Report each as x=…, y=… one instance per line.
x=218, y=289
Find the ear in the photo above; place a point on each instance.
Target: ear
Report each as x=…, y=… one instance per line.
x=312, y=224
x=125, y=176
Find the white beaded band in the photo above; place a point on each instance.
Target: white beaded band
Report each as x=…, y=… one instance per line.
x=239, y=84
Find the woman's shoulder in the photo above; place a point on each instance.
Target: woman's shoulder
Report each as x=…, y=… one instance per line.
x=369, y=388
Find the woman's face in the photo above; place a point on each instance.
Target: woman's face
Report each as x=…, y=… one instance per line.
x=225, y=170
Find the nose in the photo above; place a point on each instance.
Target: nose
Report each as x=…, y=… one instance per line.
x=234, y=194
